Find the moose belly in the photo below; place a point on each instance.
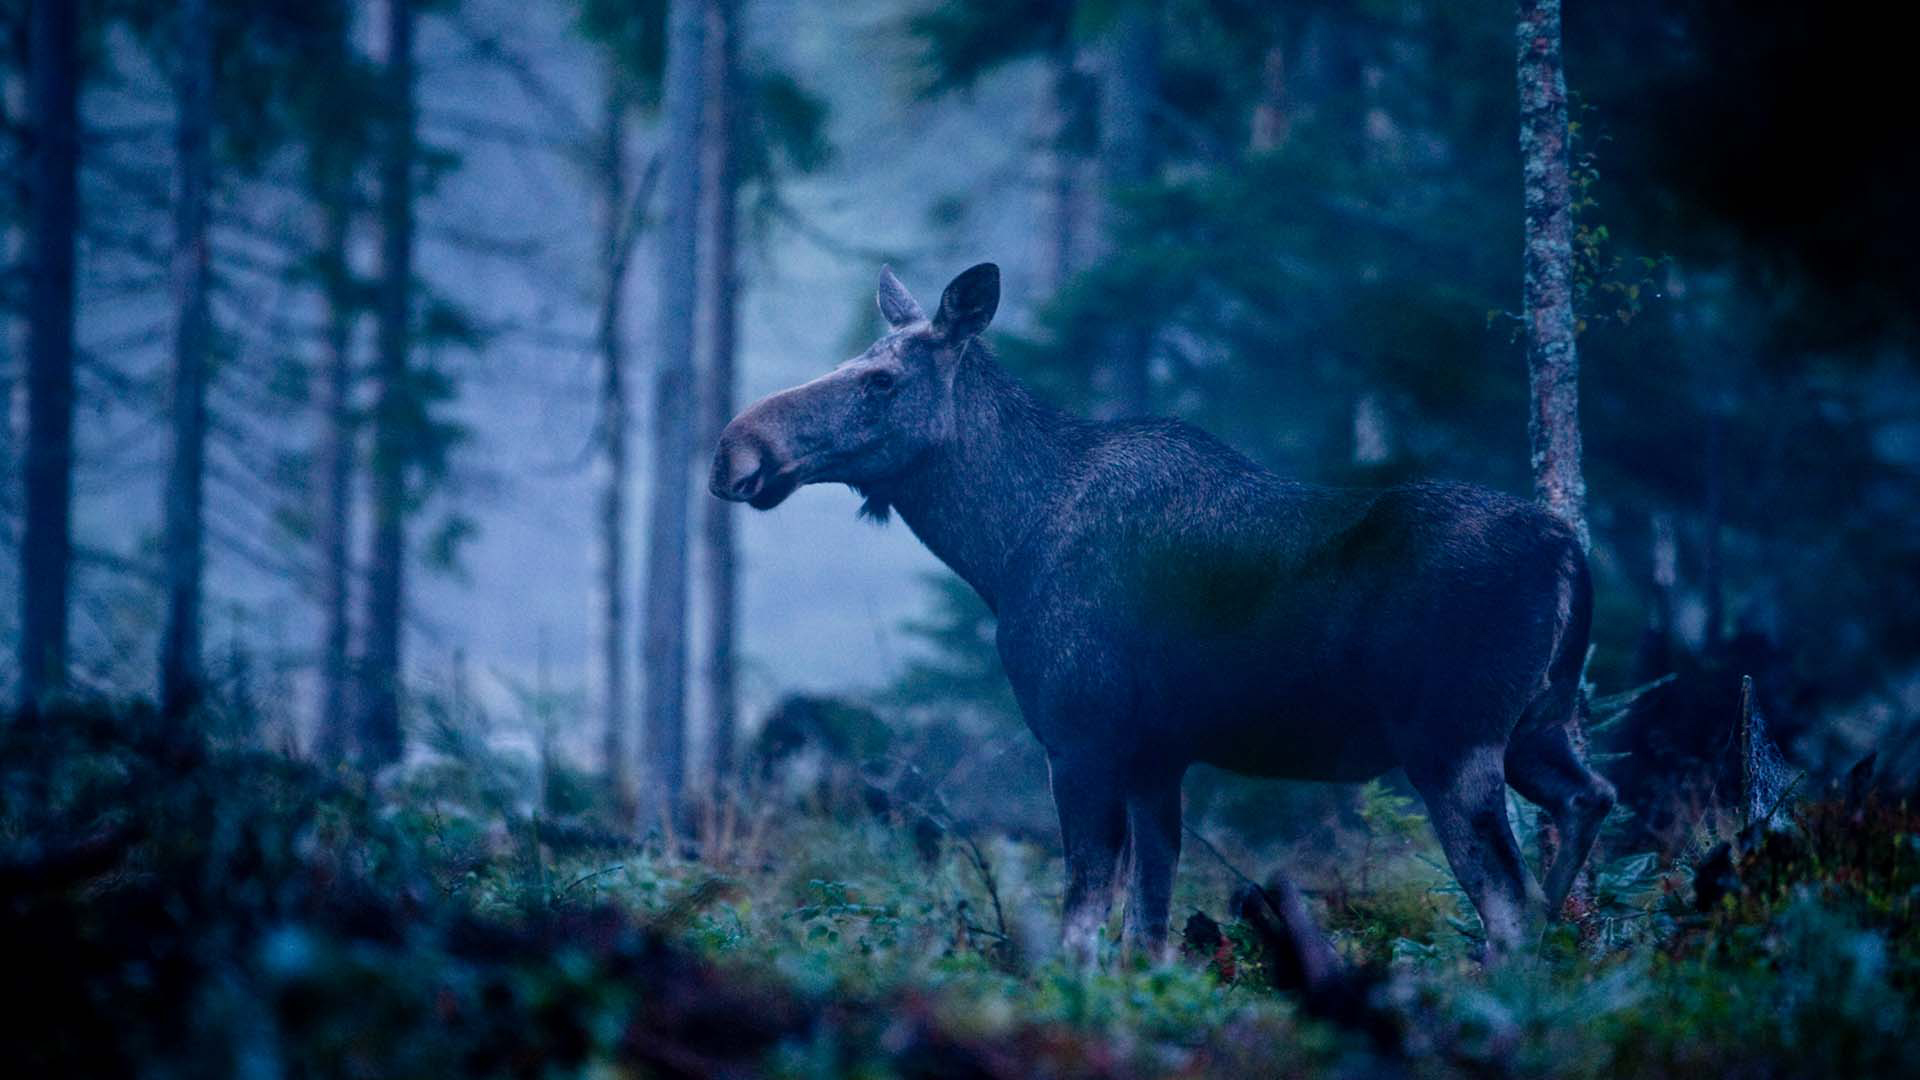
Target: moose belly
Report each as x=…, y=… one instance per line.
x=1295, y=746
x=1261, y=720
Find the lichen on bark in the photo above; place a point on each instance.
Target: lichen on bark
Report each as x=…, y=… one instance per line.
x=1553, y=363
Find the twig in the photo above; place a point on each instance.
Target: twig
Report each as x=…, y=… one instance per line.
x=1224, y=861
x=636, y=214
x=1616, y=707
x=986, y=878
x=589, y=876
x=984, y=932
x=490, y=46
x=60, y=865
x=787, y=214
x=942, y=818
x=1745, y=734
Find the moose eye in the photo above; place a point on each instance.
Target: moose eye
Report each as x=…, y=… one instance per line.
x=880, y=381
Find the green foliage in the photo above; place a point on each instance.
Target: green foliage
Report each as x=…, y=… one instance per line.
x=425, y=438
x=1391, y=816
x=1268, y=300
x=787, y=129
x=1394, y=898
x=634, y=32
x=1606, y=287
x=283, y=72
x=440, y=548
x=873, y=926
x=960, y=43
x=184, y=908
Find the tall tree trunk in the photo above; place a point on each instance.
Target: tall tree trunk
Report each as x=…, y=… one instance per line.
x=1654, y=657
x=180, y=670
x=1273, y=115
x=664, y=652
x=335, y=464
x=380, y=670
x=53, y=93
x=722, y=581
x=1713, y=567
x=1129, y=97
x=1372, y=431
x=14, y=154
x=13, y=387
x=1059, y=200
x=9, y=384
x=609, y=615
x=1553, y=365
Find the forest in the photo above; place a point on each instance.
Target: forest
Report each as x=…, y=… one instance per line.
x=392, y=682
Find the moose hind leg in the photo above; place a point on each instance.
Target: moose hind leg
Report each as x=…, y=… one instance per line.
x=1543, y=766
x=1153, y=823
x=1467, y=803
x=1093, y=829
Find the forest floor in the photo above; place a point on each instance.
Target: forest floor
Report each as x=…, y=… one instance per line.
x=177, y=906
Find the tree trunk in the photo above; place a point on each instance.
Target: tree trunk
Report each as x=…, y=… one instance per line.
x=610, y=535
x=722, y=586
x=10, y=384
x=1654, y=657
x=1059, y=200
x=1273, y=116
x=15, y=155
x=380, y=675
x=13, y=337
x=1130, y=93
x=46, y=547
x=1372, y=431
x=664, y=652
x=1713, y=565
x=180, y=670
x=335, y=465
x=1553, y=365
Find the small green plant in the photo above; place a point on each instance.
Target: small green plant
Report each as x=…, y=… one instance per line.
x=835, y=909
x=177, y=897
x=1390, y=900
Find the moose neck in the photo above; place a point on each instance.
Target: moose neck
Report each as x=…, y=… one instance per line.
x=975, y=498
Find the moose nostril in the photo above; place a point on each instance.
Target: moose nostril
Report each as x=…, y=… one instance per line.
x=739, y=470
x=748, y=486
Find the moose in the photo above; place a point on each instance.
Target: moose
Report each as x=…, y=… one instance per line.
x=1162, y=600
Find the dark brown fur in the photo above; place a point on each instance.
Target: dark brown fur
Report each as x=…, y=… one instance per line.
x=1163, y=600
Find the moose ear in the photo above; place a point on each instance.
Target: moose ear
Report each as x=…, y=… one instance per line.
x=969, y=303
x=897, y=305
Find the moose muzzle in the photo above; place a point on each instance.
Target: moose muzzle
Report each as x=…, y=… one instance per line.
x=779, y=443
x=748, y=468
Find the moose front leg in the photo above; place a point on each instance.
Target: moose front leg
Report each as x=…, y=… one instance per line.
x=1093, y=827
x=1467, y=803
x=1153, y=824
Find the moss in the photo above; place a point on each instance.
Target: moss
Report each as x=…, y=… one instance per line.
x=173, y=907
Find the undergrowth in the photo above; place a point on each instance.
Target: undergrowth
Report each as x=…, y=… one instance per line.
x=175, y=906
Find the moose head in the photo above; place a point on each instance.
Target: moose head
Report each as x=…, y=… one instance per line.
x=870, y=419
